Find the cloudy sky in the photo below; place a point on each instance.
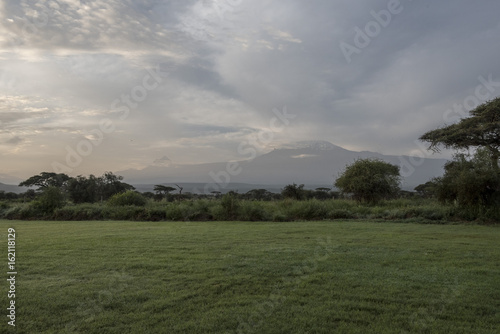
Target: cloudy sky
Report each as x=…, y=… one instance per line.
x=93, y=85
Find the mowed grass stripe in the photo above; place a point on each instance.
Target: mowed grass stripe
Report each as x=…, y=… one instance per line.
x=242, y=277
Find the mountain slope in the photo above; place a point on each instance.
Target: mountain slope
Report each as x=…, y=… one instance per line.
x=316, y=162
x=12, y=188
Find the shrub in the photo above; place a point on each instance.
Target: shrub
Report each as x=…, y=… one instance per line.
x=51, y=199
x=470, y=182
x=3, y=207
x=230, y=206
x=79, y=212
x=308, y=210
x=127, y=198
x=22, y=212
x=340, y=214
x=130, y=212
x=174, y=212
x=198, y=211
x=279, y=216
x=253, y=211
x=156, y=214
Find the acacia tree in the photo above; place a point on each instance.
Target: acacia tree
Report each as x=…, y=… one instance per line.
x=293, y=191
x=165, y=190
x=46, y=180
x=482, y=129
x=369, y=180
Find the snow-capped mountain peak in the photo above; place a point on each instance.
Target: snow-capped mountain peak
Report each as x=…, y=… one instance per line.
x=317, y=145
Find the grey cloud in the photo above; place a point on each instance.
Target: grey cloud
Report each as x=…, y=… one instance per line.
x=89, y=25
x=222, y=77
x=14, y=140
x=195, y=130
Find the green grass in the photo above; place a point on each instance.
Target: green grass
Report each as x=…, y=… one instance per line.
x=254, y=277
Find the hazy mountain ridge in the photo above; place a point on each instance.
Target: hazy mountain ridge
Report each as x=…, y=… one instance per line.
x=313, y=163
x=12, y=188
x=310, y=163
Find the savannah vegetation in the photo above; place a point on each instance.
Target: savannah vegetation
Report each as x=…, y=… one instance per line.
x=366, y=189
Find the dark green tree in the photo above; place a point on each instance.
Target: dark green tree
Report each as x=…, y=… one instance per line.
x=10, y=196
x=259, y=195
x=93, y=189
x=50, y=199
x=111, y=184
x=322, y=193
x=84, y=190
x=427, y=189
x=30, y=194
x=469, y=182
x=480, y=130
x=369, y=180
x=164, y=190
x=293, y=191
x=45, y=180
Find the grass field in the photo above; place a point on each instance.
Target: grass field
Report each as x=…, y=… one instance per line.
x=249, y=277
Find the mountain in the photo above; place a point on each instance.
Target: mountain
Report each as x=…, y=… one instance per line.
x=310, y=163
x=9, y=188
x=9, y=184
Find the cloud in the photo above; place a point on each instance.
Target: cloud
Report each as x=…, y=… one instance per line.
x=15, y=140
x=225, y=65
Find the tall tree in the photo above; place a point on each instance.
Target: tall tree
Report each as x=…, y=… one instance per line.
x=111, y=184
x=84, y=190
x=369, y=180
x=469, y=181
x=481, y=129
x=93, y=189
x=293, y=191
x=45, y=180
x=165, y=190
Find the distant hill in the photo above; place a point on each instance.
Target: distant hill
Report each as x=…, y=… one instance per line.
x=9, y=179
x=310, y=163
x=12, y=188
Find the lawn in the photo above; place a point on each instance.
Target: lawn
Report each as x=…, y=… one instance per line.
x=249, y=277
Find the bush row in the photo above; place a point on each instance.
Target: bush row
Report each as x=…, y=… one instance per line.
x=229, y=208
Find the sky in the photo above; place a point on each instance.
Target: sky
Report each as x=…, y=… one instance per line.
x=91, y=86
